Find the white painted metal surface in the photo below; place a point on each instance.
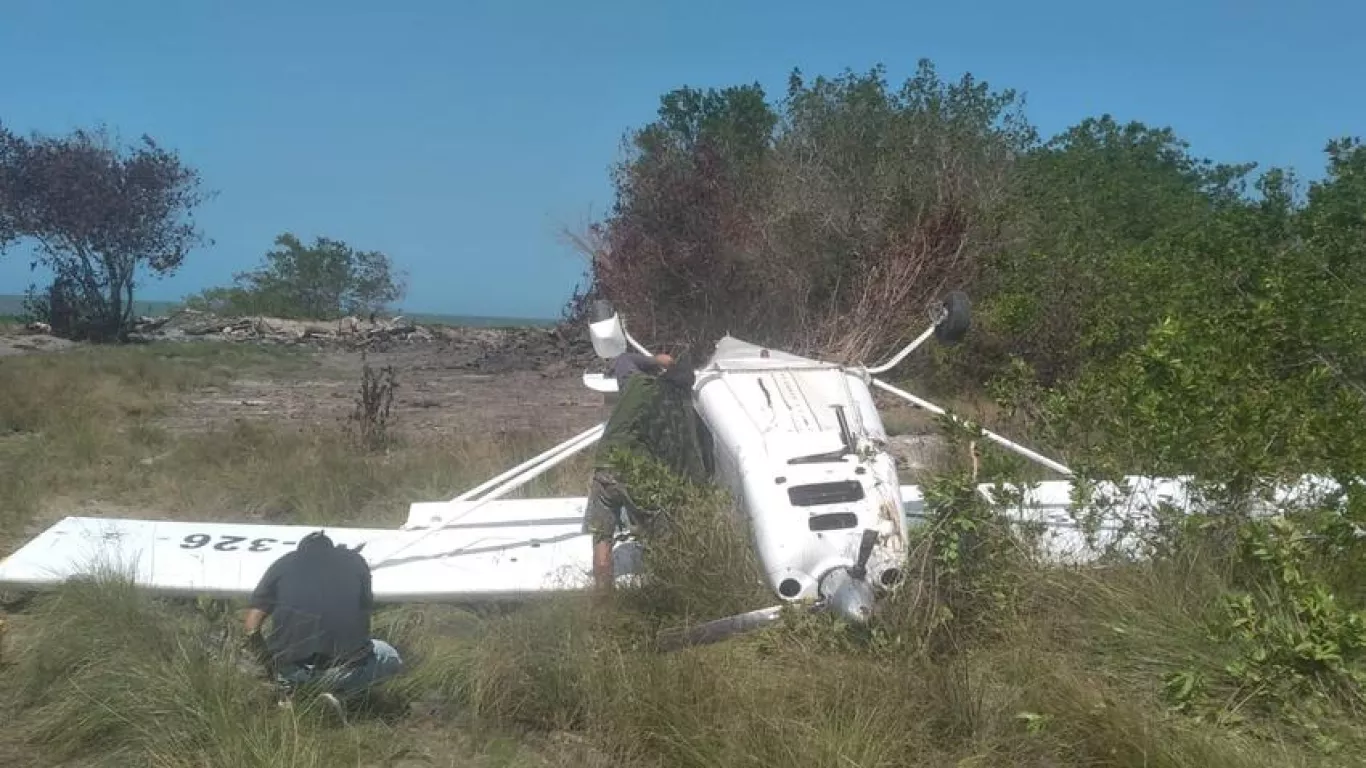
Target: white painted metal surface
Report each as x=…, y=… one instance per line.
x=515, y=548
x=772, y=416
x=608, y=337
x=517, y=473
x=397, y=548
x=482, y=562
x=1114, y=517
x=999, y=440
x=599, y=382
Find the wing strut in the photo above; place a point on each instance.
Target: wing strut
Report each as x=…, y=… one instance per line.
x=569, y=444
x=1013, y=446
x=559, y=454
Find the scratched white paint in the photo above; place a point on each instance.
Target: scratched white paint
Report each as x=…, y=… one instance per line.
x=505, y=549
x=767, y=408
x=227, y=560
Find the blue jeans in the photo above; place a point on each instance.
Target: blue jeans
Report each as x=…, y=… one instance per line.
x=382, y=664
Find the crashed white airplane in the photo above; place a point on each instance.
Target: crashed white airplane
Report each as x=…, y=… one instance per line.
x=799, y=442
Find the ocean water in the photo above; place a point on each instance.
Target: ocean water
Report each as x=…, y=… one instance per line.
x=12, y=305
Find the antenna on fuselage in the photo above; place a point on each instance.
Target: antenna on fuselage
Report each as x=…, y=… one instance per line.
x=845, y=435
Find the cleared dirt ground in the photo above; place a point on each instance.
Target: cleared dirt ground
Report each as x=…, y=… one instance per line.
x=472, y=381
x=437, y=393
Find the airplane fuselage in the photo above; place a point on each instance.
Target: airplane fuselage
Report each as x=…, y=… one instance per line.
x=800, y=445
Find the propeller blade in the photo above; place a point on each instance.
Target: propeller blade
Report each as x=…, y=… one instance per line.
x=720, y=629
x=865, y=551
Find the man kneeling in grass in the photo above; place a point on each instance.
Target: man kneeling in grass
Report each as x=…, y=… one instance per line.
x=319, y=600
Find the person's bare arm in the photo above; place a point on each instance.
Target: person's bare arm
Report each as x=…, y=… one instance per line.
x=262, y=600
x=258, y=608
x=254, y=619
x=602, y=565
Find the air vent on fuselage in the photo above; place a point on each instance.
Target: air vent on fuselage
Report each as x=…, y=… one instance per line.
x=818, y=494
x=833, y=521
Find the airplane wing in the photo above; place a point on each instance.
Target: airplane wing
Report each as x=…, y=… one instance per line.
x=1062, y=536
x=506, y=549
x=466, y=551
x=526, y=558
x=1115, y=511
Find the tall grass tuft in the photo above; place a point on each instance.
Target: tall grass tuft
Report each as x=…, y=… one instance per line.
x=109, y=676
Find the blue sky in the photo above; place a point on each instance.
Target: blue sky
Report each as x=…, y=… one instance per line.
x=460, y=137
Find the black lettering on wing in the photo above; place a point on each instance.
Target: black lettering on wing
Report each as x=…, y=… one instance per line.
x=229, y=543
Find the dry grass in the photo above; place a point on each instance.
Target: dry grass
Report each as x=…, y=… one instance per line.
x=86, y=428
x=84, y=421
x=99, y=674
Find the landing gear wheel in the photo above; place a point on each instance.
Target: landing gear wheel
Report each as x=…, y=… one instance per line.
x=957, y=318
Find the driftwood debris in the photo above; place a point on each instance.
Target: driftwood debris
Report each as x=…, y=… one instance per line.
x=350, y=331
x=557, y=350
x=486, y=349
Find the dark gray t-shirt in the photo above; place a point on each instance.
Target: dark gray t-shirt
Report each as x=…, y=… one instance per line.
x=632, y=362
x=319, y=600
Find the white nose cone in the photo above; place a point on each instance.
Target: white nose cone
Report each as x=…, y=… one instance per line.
x=850, y=598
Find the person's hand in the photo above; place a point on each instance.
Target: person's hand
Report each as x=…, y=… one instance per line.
x=664, y=360
x=255, y=645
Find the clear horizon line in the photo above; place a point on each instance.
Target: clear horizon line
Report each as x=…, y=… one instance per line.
x=397, y=311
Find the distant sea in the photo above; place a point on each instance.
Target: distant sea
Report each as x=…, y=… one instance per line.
x=13, y=305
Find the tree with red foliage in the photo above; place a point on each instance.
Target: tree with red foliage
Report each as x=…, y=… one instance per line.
x=826, y=224
x=96, y=214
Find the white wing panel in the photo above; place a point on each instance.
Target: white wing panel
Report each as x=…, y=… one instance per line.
x=227, y=559
x=1114, y=510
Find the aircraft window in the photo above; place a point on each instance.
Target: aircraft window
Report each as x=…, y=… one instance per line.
x=816, y=494
x=836, y=521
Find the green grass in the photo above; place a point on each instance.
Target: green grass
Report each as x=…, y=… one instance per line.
x=1063, y=669
x=106, y=674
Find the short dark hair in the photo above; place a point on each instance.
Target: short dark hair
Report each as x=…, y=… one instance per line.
x=317, y=539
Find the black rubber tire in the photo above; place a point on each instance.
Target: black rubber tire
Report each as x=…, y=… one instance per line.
x=602, y=310
x=958, y=320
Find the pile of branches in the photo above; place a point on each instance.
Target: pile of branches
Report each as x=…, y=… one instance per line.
x=348, y=331
x=827, y=224
x=553, y=351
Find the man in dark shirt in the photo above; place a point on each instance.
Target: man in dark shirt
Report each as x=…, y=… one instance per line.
x=633, y=362
x=319, y=600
